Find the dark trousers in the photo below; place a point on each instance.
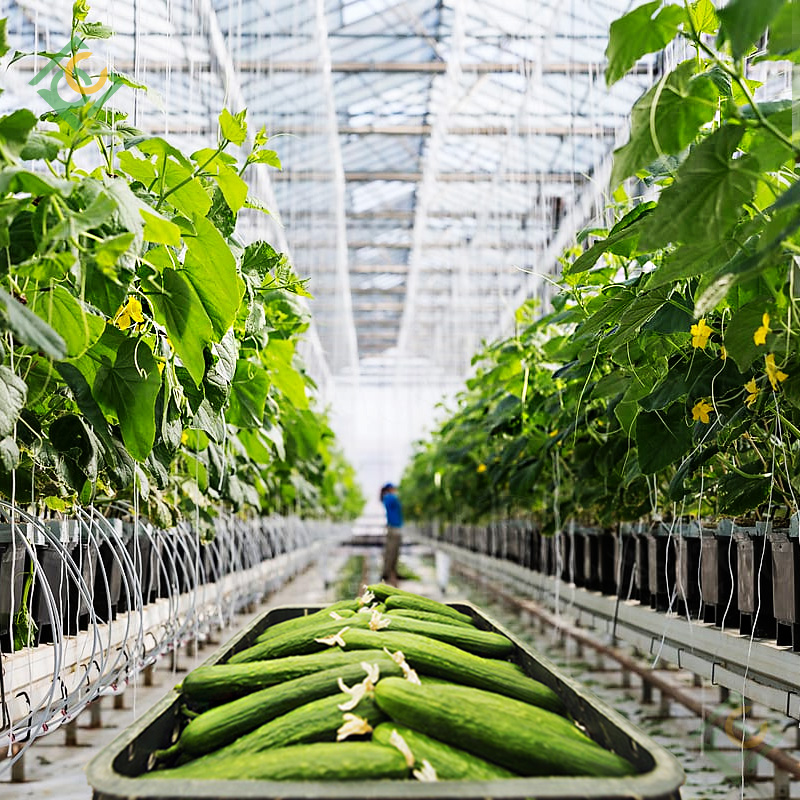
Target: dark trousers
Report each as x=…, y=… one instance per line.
x=391, y=552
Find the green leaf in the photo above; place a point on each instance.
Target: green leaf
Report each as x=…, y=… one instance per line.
x=704, y=16
x=706, y=198
x=639, y=32
x=739, y=494
x=662, y=438
x=14, y=131
x=64, y=312
x=278, y=359
x=784, y=32
x=94, y=30
x=218, y=378
x=186, y=194
x=140, y=169
x=162, y=149
x=740, y=330
x=30, y=329
x=127, y=392
x=248, y=395
x=666, y=119
x=269, y=157
x=621, y=240
x=233, y=128
x=742, y=23
x=211, y=268
x=108, y=253
x=159, y=230
x=16, y=180
x=177, y=307
x=94, y=215
x=3, y=39
x=13, y=392
x=233, y=188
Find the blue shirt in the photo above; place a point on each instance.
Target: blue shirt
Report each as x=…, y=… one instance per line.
x=394, y=513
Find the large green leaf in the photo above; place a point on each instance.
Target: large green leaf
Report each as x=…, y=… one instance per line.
x=662, y=438
x=185, y=193
x=248, y=395
x=621, y=240
x=639, y=32
x=278, y=358
x=211, y=268
x=14, y=131
x=65, y=314
x=12, y=399
x=666, y=119
x=232, y=126
x=784, y=32
x=742, y=22
x=739, y=332
x=177, y=307
x=30, y=329
x=706, y=198
x=127, y=390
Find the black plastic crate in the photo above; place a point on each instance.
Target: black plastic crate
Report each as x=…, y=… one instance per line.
x=111, y=773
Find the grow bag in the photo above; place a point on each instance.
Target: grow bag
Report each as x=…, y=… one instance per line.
x=112, y=773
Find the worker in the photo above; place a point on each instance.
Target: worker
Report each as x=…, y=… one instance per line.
x=394, y=524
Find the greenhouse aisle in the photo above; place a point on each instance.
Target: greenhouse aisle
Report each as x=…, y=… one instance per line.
x=56, y=771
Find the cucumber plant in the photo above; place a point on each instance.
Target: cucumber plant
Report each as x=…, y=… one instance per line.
x=666, y=378
x=145, y=349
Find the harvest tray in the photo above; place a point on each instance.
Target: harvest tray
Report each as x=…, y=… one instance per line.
x=113, y=771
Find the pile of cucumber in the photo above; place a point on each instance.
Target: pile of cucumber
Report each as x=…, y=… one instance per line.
x=391, y=685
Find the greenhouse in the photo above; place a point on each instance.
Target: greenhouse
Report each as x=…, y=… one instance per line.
x=399, y=399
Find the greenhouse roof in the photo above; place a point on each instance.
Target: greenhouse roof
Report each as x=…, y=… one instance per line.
x=437, y=156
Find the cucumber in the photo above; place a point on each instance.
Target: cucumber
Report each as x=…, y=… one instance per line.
x=215, y=683
x=344, y=608
x=297, y=642
x=418, y=603
x=450, y=763
x=428, y=616
x=442, y=660
x=305, y=640
x=224, y=723
x=311, y=722
x=515, y=735
x=322, y=761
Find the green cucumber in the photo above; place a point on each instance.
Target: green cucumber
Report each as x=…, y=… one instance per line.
x=343, y=608
x=297, y=642
x=450, y=763
x=428, y=616
x=418, y=603
x=442, y=660
x=515, y=735
x=315, y=721
x=216, y=683
x=219, y=726
x=321, y=761
x=305, y=640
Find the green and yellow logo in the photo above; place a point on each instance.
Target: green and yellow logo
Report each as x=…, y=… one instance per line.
x=83, y=99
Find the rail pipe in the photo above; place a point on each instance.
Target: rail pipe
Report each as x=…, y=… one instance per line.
x=782, y=760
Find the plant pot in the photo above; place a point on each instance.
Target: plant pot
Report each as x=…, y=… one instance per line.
x=13, y=556
x=754, y=596
x=719, y=568
x=785, y=546
x=687, y=568
x=661, y=566
x=625, y=561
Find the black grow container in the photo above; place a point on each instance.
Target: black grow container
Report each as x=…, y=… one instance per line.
x=112, y=773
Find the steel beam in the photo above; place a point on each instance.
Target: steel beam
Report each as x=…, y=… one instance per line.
x=365, y=176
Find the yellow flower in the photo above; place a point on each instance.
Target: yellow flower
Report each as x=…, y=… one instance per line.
x=481, y=468
x=773, y=373
x=553, y=433
x=760, y=336
x=700, y=411
x=723, y=353
x=752, y=390
x=700, y=333
x=129, y=314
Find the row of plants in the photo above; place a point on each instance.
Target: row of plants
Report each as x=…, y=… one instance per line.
x=147, y=353
x=665, y=380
